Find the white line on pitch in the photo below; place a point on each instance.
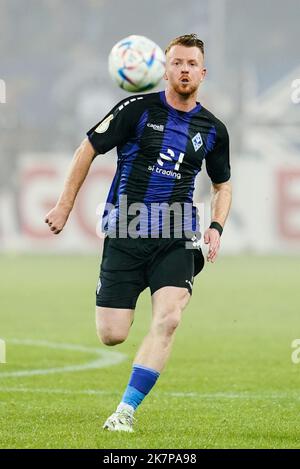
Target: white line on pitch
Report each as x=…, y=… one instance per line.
x=198, y=395
x=105, y=358
x=58, y=391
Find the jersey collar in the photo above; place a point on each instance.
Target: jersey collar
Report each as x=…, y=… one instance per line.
x=162, y=95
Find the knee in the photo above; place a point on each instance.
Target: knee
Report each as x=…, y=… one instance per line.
x=109, y=337
x=168, y=322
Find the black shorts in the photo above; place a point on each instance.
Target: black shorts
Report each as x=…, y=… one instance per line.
x=131, y=265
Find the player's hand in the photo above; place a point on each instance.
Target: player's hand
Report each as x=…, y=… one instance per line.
x=212, y=237
x=56, y=218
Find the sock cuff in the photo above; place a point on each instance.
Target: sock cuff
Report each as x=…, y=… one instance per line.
x=151, y=370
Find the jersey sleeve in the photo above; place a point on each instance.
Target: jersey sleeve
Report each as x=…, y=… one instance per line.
x=115, y=128
x=217, y=160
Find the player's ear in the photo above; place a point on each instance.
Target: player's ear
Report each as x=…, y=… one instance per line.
x=165, y=76
x=203, y=73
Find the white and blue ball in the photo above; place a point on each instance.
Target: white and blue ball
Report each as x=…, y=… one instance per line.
x=136, y=63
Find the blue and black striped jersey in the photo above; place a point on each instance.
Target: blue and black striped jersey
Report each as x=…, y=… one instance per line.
x=160, y=149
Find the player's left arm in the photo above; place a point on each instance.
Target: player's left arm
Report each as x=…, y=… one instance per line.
x=220, y=206
x=218, y=169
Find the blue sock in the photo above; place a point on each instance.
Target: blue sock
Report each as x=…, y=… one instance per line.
x=141, y=382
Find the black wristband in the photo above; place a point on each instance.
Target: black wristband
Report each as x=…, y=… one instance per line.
x=217, y=226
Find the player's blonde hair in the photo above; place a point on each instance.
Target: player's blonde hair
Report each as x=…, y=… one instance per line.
x=187, y=40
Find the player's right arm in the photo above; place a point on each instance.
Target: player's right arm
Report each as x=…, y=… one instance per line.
x=83, y=157
x=115, y=129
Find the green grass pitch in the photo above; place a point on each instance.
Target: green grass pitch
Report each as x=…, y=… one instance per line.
x=230, y=382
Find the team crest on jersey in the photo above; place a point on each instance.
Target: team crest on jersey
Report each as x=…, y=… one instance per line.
x=103, y=126
x=197, y=141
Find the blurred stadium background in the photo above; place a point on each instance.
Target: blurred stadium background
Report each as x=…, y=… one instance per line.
x=244, y=313
x=54, y=64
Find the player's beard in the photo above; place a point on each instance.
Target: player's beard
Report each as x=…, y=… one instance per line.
x=185, y=90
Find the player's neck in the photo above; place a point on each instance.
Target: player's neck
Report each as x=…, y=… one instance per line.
x=179, y=102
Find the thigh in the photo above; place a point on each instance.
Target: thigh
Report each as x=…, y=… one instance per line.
x=114, y=319
x=169, y=301
x=121, y=277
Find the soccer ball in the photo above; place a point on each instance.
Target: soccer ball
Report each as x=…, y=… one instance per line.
x=136, y=63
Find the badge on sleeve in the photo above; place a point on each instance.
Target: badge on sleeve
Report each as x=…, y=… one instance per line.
x=103, y=126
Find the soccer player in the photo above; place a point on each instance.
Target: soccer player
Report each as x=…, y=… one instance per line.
x=162, y=139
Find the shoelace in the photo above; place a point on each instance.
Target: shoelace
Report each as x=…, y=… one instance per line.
x=127, y=417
